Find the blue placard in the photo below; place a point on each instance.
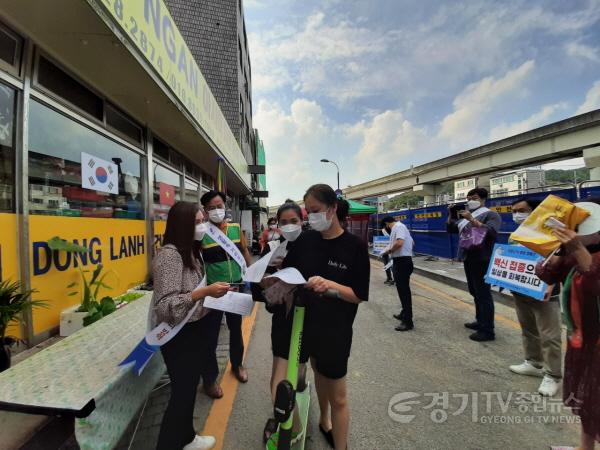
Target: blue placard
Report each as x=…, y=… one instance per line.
x=380, y=243
x=512, y=267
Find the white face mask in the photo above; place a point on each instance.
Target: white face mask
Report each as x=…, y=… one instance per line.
x=291, y=231
x=319, y=221
x=520, y=217
x=200, y=231
x=216, y=215
x=473, y=205
x=272, y=227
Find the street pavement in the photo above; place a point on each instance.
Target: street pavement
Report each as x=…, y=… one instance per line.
x=459, y=386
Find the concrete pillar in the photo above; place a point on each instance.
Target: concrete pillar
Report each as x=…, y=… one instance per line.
x=428, y=191
x=591, y=157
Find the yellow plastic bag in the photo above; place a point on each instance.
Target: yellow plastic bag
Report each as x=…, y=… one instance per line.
x=536, y=232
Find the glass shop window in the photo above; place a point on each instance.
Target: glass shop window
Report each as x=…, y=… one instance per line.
x=75, y=171
x=167, y=191
x=7, y=148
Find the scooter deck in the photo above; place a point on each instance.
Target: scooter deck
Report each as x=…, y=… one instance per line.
x=303, y=402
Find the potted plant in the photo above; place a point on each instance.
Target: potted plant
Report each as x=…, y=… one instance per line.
x=92, y=308
x=13, y=302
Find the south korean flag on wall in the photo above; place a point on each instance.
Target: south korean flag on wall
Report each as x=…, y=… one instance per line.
x=99, y=175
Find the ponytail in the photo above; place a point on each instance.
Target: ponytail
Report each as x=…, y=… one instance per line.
x=343, y=208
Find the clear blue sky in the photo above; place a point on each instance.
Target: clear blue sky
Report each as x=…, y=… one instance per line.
x=381, y=85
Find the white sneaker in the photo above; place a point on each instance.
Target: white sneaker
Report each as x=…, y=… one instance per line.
x=527, y=368
x=201, y=443
x=549, y=387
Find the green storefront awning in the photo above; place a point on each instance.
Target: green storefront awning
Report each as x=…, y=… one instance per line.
x=360, y=208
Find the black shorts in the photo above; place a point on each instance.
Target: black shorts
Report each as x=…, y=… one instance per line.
x=329, y=346
x=281, y=334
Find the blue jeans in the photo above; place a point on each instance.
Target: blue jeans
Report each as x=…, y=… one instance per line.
x=475, y=270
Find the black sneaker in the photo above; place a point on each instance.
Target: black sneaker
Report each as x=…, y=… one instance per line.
x=405, y=327
x=480, y=336
x=472, y=326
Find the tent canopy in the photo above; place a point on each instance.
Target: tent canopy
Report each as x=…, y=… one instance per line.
x=359, y=208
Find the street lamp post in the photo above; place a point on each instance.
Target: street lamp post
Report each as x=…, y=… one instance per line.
x=338, y=170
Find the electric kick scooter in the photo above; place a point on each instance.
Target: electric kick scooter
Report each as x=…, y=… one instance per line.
x=293, y=392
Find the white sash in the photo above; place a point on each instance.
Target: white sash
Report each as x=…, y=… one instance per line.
x=164, y=332
x=477, y=213
x=226, y=244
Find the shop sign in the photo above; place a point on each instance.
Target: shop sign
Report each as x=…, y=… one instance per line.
x=118, y=244
x=149, y=25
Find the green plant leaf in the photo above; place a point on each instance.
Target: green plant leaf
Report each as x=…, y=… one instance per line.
x=59, y=244
x=91, y=318
x=107, y=306
x=14, y=300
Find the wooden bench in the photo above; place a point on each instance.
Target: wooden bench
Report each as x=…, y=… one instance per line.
x=79, y=377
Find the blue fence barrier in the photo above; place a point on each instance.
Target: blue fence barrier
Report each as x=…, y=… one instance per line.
x=428, y=224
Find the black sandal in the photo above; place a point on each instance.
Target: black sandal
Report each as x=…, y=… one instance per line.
x=328, y=436
x=270, y=428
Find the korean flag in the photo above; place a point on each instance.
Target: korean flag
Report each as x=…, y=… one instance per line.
x=99, y=175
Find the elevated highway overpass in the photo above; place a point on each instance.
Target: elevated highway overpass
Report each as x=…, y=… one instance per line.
x=573, y=137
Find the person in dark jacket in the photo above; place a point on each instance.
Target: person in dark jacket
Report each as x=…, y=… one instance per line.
x=477, y=259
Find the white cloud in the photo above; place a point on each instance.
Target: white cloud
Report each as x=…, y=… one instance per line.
x=578, y=50
x=389, y=141
x=311, y=56
x=462, y=126
x=254, y=4
x=592, y=99
x=538, y=119
x=295, y=141
x=379, y=94
x=346, y=58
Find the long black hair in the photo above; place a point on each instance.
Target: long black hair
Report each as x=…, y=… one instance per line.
x=325, y=194
x=181, y=223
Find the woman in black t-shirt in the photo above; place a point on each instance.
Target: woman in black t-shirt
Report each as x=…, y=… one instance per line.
x=289, y=219
x=335, y=262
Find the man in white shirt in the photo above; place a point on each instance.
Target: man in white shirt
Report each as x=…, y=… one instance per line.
x=389, y=279
x=401, y=252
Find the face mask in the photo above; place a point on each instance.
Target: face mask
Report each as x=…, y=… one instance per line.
x=319, y=221
x=520, y=217
x=200, y=231
x=291, y=231
x=473, y=205
x=272, y=227
x=216, y=215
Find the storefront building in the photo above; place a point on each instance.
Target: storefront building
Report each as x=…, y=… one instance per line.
x=105, y=121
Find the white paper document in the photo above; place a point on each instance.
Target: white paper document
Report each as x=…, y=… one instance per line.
x=233, y=302
x=256, y=272
x=388, y=265
x=289, y=275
